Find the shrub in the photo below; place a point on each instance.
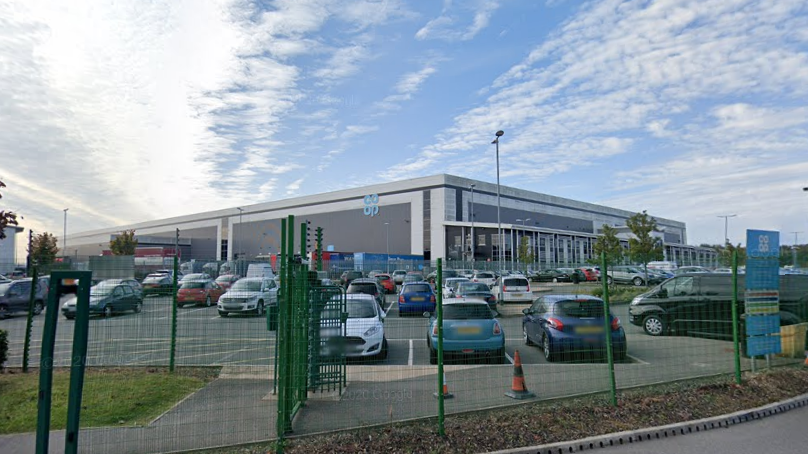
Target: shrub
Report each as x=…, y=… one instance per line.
x=3, y=347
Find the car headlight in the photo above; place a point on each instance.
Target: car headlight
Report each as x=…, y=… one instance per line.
x=372, y=330
x=636, y=301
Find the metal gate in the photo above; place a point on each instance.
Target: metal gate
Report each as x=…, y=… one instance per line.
x=327, y=341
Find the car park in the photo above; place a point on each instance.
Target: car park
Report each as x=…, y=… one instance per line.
x=571, y=327
x=625, y=274
x=107, y=298
x=470, y=331
x=552, y=275
x=477, y=290
x=225, y=281
x=451, y=284
x=157, y=284
x=416, y=298
x=398, y=276
x=196, y=277
x=373, y=273
x=445, y=274
x=513, y=289
x=367, y=286
x=198, y=292
x=15, y=296
x=386, y=282
x=250, y=295
x=467, y=273
x=363, y=329
x=4, y=279
x=486, y=277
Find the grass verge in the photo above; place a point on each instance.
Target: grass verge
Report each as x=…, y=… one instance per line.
x=555, y=421
x=111, y=397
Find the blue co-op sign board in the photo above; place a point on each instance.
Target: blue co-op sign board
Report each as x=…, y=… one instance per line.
x=762, y=296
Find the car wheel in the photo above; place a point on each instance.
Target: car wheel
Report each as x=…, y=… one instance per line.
x=222, y=314
x=433, y=356
x=137, y=308
x=620, y=354
x=179, y=305
x=70, y=317
x=609, y=280
x=3, y=312
x=548, y=349
x=208, y=302
x=654, y=325
x=638, y=282
x=38, y=307
x=260, y=309
x=525, y=337
x=108, y=311
x=383, y=351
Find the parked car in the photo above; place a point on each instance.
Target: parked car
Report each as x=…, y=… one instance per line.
x=260, y=270
x=368, y=286
x=15, y=296
x=387, y=282
x=157, y=284
x=323, y=277
x=486, y=277
x=691, y=269
x=18, y=273
x=226, y=281
x=445, y=274
x=568, y=327
x=248, y=295
x=107, y=298
x=451, y=284
x=348, y=276
x=467, y=273
x=413, y=276
x=195, y=277
x=364, y=329
x=470, y=331
x=373, y=273
x=398, y=276
x=201, y=291
x=624, y=274
x=514, y=289
x=136, y=287
x=416, y=298
x=4, y=279
x=477, y=290
x=590, y=274
x=552, y=275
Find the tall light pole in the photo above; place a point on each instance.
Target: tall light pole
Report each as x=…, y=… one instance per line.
x=501, y=254
x=794, y=250
x=471, y=186
x=64, y=235
x=726, y=224
x=240, y=213
x=387, y=226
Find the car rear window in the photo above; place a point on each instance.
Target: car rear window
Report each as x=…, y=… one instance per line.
x=192, y=284
x=418, y=288
x=368, y=289
x=516, y=282
x=580, y=309
x=467, y=311
x=154, y=280
x=382, y=277
x=485, y=275
x=474, y=287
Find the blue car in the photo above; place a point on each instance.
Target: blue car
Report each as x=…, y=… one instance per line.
x=570, y=327
x=416, y=298
x=470, y=331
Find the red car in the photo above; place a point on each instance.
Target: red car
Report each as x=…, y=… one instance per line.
x=225, y=281
x=198, y=292
x=387, y=282
x=590, y=273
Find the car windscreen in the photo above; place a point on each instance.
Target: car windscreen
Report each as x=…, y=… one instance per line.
x=417, y=288
x=580, y=309
x=189, y=277
x=413, y=277
x=382, y=277
x=226, y=279
x=473, y=287
x=101, y=289
x=361, y=308
x=467, y=311
x=192, y=284
x=368, y=289
x=247, y=285
x=4, y=288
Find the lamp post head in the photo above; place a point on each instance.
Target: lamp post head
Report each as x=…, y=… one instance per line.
x=500, y=133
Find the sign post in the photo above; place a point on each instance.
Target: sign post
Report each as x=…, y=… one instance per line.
x=762, y=296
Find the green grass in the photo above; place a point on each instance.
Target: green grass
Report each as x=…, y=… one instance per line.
x=111, y=397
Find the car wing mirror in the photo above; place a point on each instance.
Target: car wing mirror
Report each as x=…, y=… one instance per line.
x=662, y=293
x=427, y=315
x=527, y=311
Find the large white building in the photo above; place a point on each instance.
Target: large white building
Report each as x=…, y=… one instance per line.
x=8, y=250
x=431, y=217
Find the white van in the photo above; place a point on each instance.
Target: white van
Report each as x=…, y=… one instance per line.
x=260, y=270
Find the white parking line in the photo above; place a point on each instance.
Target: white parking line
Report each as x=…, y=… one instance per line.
x=184, y=312
x=637, y=359
x=409, y=358
x=510, y=360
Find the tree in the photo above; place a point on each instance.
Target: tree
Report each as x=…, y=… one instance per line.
x=609, y=244
x=525, y=252
x=43, y=249
x=644, y=248
x=6, y=217
x=124, y=244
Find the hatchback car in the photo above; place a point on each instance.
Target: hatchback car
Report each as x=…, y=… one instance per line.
x=590, y=274
x=250, y=295
x=16, y=295
x=348, y=276
x=157, y=284
x=568, y=327
x=368, y=286
x=416, y=298
x=486, y=277
x=514, y=289
x=622, y=274
x=107, y=298
x=470, y=331
x=451, y=284
x=398, y=276
x=198, y=292
x=386, y=282
x=196, y=277
x=477, y=290
x=363, y=329
x=413, y=277
x=133, y=284
x=226, y=281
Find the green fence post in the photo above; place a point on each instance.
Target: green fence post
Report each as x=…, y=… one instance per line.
x=735, y=333
x=46, y=366
x=30, y=321
x=78, y=363
x=439, y=321
x=608, y=329
x=173, y=351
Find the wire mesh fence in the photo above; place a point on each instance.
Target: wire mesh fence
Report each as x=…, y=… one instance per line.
x=216, y=353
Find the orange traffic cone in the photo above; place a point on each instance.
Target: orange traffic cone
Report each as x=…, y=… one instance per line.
x=518, y=388
x=806, y=360
x=446, y=393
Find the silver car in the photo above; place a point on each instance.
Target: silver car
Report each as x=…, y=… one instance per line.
x=248, y=295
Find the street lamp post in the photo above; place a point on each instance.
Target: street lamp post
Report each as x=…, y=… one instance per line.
x=471, y=186
x=726, y=224
x=387, y=226
x=240, y=213
x=64, y=234
x=501, y=256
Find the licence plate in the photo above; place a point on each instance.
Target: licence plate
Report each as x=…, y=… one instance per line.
x=417, y=298
x=589, y=329
x=469, y=330
x=518, y=295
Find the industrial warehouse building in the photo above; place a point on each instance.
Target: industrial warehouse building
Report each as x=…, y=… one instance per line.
x=430, y=217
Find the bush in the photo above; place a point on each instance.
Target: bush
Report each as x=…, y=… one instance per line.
x=3, y=347
x=619, y=295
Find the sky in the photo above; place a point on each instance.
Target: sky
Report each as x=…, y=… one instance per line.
x=129, y=110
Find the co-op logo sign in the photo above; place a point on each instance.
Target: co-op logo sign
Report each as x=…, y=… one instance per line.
x=371, y=205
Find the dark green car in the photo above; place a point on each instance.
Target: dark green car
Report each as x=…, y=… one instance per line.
x=558, y=275
x=107, y=298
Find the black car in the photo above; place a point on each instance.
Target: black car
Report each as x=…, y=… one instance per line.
x=159, y=284
x=15, y=296
x=557, y=275
x=369, y=287
x=107, y=298
x=348, y=276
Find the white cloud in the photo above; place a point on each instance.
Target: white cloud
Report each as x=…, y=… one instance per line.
x=343, y=63
x=407, y=86
x=443, y=27
x=357, y=130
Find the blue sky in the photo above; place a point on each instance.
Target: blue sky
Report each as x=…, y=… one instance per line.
x=127, y=111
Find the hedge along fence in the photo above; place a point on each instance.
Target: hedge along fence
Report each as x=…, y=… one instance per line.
x=3, y=347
